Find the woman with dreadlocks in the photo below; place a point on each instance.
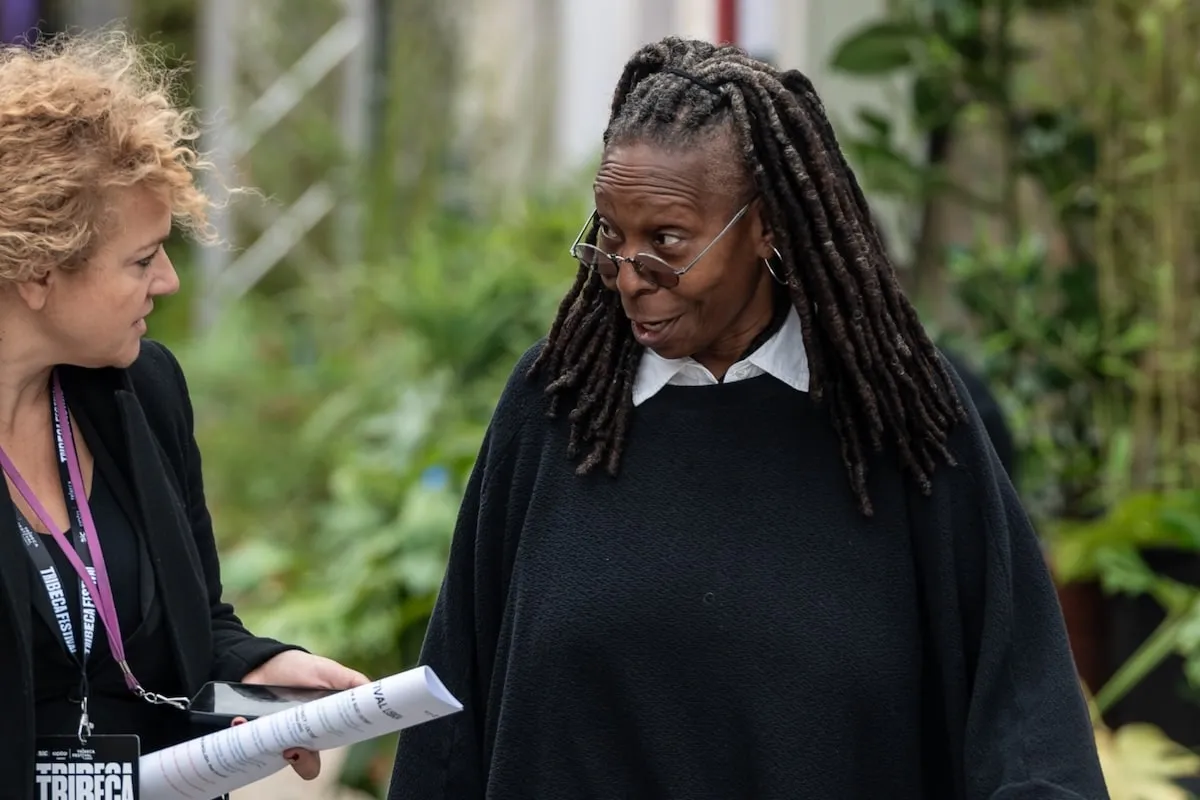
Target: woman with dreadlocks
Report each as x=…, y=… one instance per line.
x=735, y=530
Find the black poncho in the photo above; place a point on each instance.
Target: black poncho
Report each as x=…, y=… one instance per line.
x=720, y=621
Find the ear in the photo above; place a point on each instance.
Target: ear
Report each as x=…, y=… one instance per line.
x=36, y=292
x=764, y=240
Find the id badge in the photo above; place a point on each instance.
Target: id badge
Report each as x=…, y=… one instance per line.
x=105, y=768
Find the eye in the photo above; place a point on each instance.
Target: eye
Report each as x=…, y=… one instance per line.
x=666, y=239
x=605, y=231
x=145, y=263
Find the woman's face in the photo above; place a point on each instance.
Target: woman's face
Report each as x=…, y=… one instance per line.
x=673, y=204
x=95, y=316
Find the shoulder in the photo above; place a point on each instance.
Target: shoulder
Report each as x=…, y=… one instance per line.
x=990, y=412
x=971, y=441
x=518, y=380
x=157, y=381
x=967, y=438
x=975, y=489
x=154, y=379
x=523, y=397
x=157, y=378
x=152, y=387
x=156, y=369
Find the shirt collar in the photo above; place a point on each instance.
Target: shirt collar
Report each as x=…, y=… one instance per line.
x=782, y=356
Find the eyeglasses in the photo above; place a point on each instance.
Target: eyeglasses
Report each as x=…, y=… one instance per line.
x=647, y=265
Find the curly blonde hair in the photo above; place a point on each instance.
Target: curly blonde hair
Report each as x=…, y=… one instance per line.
x=81, y=116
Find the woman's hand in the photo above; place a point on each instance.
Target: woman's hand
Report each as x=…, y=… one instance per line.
x=296, y=668
x=300, y=669
x=306, y=763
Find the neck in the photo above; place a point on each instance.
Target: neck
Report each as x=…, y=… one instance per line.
x=750, y=323
x=24, y=382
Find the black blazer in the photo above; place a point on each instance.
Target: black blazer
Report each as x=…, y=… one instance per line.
x=139, y=422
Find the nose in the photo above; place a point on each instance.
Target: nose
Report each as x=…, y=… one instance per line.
x=631, y=282
x=166, y=282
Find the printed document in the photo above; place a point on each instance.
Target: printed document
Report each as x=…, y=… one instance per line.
x=231, y=759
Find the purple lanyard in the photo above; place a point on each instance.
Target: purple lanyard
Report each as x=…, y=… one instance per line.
x=100, y=589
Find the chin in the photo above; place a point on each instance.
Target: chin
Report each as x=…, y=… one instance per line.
x=666, y=351
x=127, y=356
x=675, y=347
x=119, y=358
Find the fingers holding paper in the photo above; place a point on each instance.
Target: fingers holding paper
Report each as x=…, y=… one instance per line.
x=228, y=760
x=306, y=763
x=298, y=668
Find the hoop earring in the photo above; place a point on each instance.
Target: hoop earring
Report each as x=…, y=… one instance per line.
x=771, y=269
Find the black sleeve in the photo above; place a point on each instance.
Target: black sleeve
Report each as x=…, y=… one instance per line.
x=236, y=651
x=1017, y=724
x=445, y=759
x=990, y=414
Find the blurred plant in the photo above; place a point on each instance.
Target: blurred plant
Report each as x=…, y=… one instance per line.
x=1099, y=359
x=1090, y=349
x=1109, y=549
x=1065, y=382
x=340, y=422
x=392, y=183
x=1140, y=763
x=963, y=67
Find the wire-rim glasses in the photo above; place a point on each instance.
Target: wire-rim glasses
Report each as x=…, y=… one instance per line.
x=647, y=265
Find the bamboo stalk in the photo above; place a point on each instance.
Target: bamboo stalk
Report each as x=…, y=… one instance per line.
x=1157, y=646
x=1165, y=211
x=1011, y=199
x=1103, y=99
x=1187, y=209
x=1145, y=106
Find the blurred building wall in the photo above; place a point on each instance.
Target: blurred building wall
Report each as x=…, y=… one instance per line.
x=598, y=38
x=540, y=73
x=810, y=31
x=509, y=55
x=89, y=14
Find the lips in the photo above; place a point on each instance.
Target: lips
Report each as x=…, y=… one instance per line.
x=141, y=321
x=652, y=333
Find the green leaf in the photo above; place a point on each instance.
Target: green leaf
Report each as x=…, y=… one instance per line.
x=933, y=100
x=1123, y=571
x=1120, y=459
x=1185, y=523
x=879, y=48
x=875, y=122
x=1191, y=671
x=887, y=170
x=1187, y=635
x=1140, y=761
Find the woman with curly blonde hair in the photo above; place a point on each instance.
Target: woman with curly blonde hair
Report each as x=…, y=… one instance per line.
x=110, y=589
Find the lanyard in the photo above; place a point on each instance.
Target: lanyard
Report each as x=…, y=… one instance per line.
x=94, y=582
x=52, y=605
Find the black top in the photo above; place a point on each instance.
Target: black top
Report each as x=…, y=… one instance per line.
x=990, y=413
x=111, y=707
x=721, y=621
x=138, y=424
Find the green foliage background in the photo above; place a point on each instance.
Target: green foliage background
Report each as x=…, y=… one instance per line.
x=1072, y=304
x=339, y=411
x=339, y=422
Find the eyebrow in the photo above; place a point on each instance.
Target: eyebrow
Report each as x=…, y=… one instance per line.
x=155, y=244
x=665, y=217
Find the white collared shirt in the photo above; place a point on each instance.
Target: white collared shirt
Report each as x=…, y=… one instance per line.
x=782, y=356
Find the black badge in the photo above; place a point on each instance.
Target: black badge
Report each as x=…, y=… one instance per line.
x=105, y=768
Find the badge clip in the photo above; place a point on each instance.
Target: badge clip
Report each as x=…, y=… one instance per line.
x=85, y=725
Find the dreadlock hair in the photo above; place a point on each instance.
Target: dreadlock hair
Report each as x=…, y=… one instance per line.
x=868, y=353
